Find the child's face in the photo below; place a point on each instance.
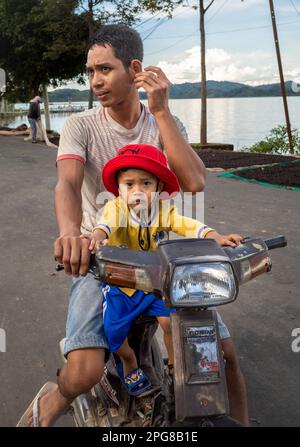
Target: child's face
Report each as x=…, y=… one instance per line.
x=137, y=188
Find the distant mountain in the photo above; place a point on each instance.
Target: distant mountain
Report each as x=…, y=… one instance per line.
x=215, y=89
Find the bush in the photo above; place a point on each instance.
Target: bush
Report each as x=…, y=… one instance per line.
x=277, y=142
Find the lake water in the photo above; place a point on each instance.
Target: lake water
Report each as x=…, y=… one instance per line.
x=237, y=121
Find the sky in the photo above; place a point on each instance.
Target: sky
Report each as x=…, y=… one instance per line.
x=239, y=42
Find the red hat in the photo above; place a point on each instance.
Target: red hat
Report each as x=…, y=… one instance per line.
x=140, y=156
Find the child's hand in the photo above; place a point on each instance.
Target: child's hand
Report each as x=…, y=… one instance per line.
x=98, y=237
x=231, y=240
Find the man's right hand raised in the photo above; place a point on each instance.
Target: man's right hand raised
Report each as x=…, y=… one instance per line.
x=73, y=252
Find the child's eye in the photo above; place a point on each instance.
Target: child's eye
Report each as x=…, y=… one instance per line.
x=128, y=184
x=147, y=183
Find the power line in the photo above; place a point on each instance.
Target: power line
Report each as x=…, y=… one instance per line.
x=147, y=20
x=217, y=12
x=252, y=28
x=295, y=8
x=163, y=20
x=155, y=28
x=151, y=18
x=219, y=32
x=180, y=13
x=173, y=45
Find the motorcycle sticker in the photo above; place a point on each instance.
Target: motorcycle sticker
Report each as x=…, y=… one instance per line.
x=201, y=354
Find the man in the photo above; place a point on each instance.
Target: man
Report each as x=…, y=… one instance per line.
x=34, y=114
x=88, y=141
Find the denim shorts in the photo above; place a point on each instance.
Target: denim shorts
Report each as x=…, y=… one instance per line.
x=85, y=315
x=85, y=327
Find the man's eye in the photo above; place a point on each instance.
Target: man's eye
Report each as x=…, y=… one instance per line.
x=106, y=69
x=90, y=72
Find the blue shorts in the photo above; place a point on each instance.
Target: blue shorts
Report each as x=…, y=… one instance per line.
x=121, y=310
x=85, y=316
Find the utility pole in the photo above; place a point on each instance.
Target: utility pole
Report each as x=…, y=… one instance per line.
x=283, y=90
x=91, y=32
x=203, y=127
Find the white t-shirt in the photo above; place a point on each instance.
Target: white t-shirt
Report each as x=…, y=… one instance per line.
x=94, y=137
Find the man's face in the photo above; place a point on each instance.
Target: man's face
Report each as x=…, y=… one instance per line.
x=109, y=80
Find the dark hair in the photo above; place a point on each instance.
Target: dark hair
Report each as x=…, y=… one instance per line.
x=125, y=42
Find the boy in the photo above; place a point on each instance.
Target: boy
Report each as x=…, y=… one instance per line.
x=138, y=219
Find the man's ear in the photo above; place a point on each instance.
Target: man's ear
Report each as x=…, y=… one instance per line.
x=135, y=67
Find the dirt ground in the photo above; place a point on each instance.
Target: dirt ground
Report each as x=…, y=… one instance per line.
x=287, y=174
x=232, y=159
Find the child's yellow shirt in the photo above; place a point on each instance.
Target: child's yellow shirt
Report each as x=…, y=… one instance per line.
x=123, y=227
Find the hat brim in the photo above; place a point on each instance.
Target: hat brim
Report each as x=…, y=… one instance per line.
x=165, y=175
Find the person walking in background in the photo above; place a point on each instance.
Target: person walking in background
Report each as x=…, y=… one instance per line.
x=34, y=115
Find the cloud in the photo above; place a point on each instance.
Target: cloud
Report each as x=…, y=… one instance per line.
x=258, y=67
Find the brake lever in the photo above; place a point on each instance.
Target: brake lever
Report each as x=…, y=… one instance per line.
x=93, y=269
x=59, y=267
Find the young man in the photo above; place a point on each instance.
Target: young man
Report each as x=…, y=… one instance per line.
x=88, y=141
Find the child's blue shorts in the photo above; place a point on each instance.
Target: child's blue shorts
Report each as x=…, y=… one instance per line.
x=121, y=310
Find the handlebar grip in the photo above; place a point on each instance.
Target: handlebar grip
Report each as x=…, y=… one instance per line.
x=276, y=242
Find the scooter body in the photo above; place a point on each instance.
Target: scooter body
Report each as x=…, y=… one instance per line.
x=193, y=276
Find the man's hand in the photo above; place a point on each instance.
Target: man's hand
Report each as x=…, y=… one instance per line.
x=156, y=84
x=230, y=240
x=74, y=253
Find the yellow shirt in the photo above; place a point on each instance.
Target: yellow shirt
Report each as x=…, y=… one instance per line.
x=123, y=227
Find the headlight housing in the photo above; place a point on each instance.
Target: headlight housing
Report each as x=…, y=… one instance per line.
x=202, y=285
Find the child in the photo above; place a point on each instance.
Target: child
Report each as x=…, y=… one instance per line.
x=138, y=219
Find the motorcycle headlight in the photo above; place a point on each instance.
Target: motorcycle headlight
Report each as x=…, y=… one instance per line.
x=208, y=284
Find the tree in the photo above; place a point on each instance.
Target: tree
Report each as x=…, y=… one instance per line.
x=42, y=42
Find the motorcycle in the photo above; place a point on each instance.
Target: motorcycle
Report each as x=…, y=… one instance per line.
x=194, y=276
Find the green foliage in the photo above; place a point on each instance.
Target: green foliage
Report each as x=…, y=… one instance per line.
x=277, y=142
x=44, y=41
x=41, y=42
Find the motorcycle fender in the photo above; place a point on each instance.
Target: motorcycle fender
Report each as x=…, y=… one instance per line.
x=199, y=375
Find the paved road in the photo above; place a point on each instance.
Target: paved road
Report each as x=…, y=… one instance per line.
x=33, y=301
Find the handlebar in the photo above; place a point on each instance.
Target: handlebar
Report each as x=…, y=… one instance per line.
x=276, y=242
x=142, y=270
